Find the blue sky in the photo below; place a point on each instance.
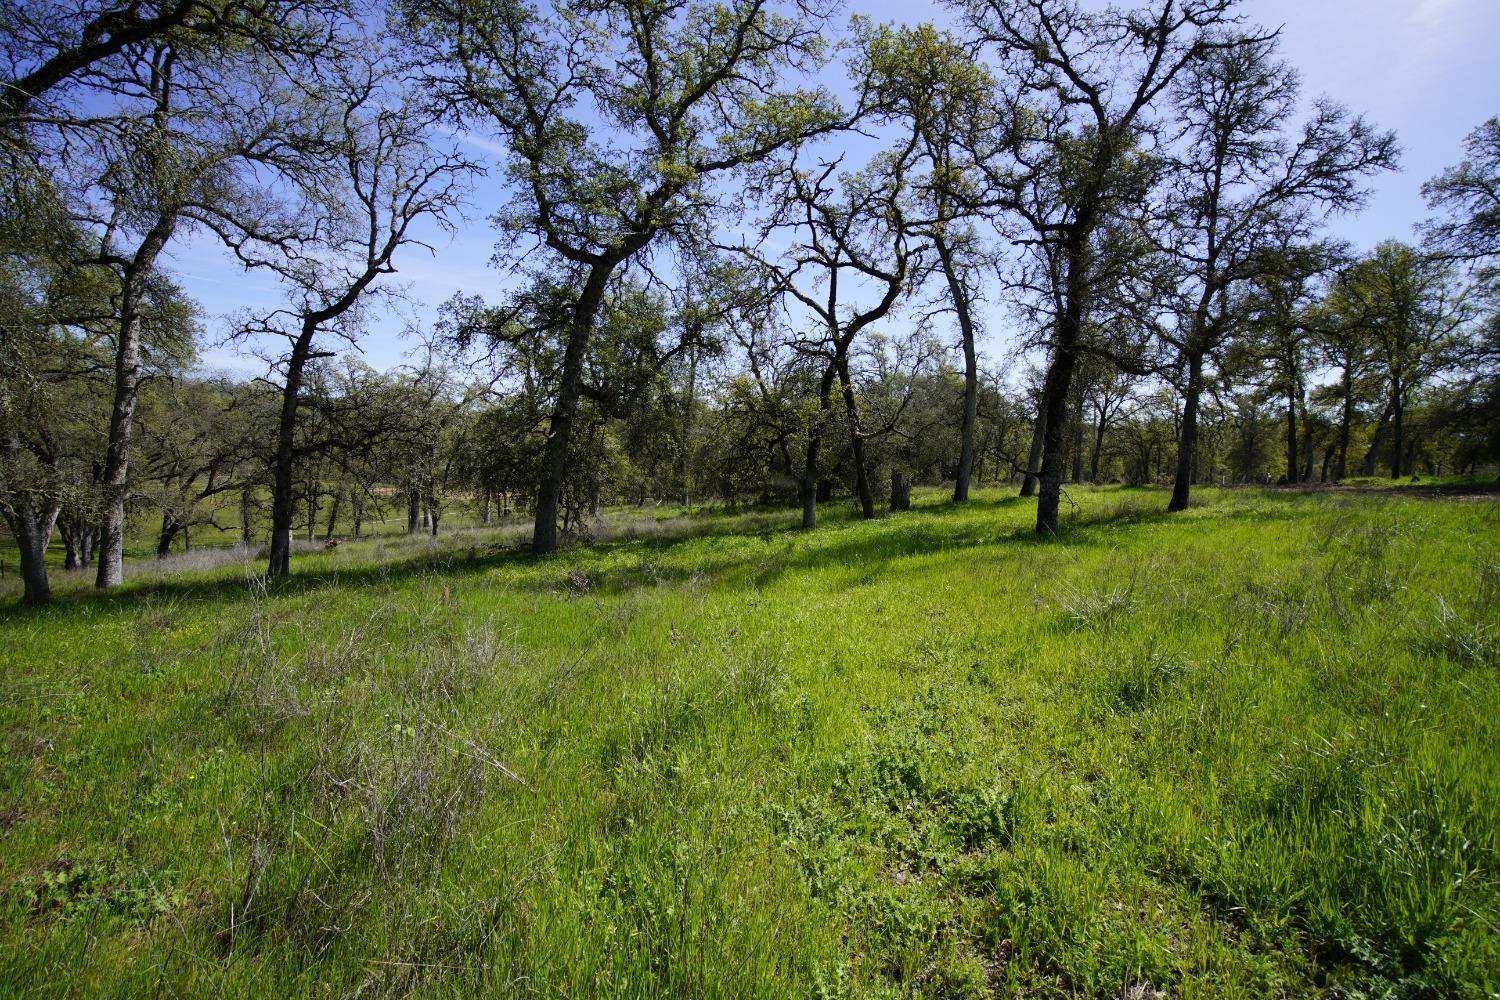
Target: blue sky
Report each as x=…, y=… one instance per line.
x=1426, y=68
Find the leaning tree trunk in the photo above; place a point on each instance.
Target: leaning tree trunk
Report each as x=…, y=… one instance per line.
x=560, y=427
x=1187, y=442
x=283, y=502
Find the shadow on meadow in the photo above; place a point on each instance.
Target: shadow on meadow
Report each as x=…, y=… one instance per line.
x=679, y=551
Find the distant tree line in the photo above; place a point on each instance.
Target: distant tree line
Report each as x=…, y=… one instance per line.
x=718, y=281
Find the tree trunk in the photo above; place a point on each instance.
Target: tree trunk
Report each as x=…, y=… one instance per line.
x=1054, y=441
x=168, y=532
x=32, y=530
x=1187, y=441
x=1060, y=378
x=1308, y=451
x=1372, y=455
x=1346, y=419
x=282, y=499
x=807, y=493
x=809, y=486
x=245, y=535
x=312, y=507
x=114, y=483
x=32, y=534
x=1098, y=450
x=1034, y=457
x=856, y=444
x=560, y=426
x=484, y=508
x=413, y=508
x=1078, y=440
x=1291, y=437
x=960, y=301
x=333, y=514
x=687, y=428
x=1398, y=408
x=900, y=491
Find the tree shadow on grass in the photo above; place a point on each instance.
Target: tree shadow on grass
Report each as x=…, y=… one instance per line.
x=842, y=540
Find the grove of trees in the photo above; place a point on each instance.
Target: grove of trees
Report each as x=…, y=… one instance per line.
x=745, y=254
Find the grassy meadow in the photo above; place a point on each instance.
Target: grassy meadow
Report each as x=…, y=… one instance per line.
x=1252, y=750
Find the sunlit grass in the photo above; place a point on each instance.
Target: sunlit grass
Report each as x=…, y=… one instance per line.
x=1249, y=750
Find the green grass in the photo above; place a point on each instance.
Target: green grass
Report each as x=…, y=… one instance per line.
x=1246, y=751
